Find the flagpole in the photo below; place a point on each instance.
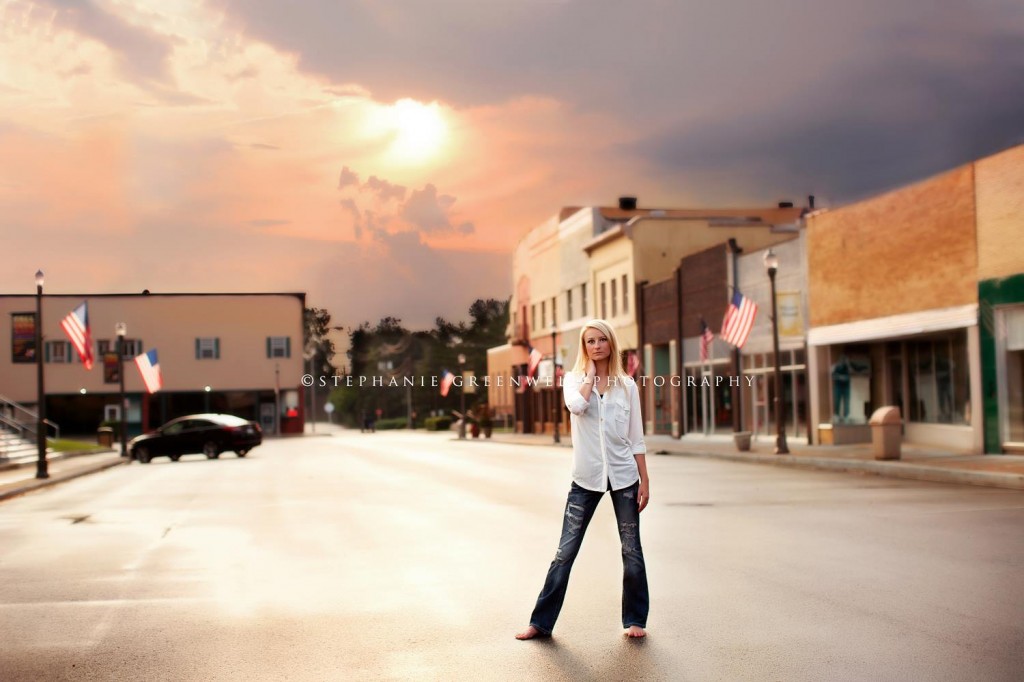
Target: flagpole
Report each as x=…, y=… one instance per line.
x=41, y=465
x=121, y=329
x=462, y=397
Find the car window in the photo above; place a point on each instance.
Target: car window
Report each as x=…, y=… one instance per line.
x=174, y=429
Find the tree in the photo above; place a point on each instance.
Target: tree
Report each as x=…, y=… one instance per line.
x=388, y=350
x=316, y=325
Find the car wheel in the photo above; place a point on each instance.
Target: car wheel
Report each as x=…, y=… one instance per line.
x=211, y=450
x=142, y=454
x=241, y=453
x=174, y=458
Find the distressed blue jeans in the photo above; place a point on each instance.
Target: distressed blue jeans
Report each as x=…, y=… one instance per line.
x=579, y=509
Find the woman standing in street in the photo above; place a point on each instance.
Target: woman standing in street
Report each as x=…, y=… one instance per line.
x=609, y=454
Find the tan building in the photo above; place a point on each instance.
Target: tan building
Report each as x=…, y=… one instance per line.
x=712, y=257
x=586, y=263
x=908, y=291
x=233, y=353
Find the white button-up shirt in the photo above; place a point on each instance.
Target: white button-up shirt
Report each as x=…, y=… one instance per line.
x=606, y=432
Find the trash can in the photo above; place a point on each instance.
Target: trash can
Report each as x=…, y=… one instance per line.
x=886, y=433
x=105, y=436
x=742, y=440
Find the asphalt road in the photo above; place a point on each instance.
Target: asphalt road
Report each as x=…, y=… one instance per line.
x=403, y=556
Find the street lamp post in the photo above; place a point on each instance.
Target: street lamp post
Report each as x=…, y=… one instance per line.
x=554, y=373
x=121, y=329
x=462, y=396
x=277, y=398
x=311, y=356
x=41, y=465
x=771, y=264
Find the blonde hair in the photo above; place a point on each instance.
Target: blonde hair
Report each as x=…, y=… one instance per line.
x=615, y=368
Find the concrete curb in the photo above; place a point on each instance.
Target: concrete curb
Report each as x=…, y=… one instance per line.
x=917, y=472
x=50, y=457
x=888, y=469
x=22, y=487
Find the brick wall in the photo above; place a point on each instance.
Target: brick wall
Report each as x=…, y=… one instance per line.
x=661, y=312
x=909, y=250
x=705, y=289
x=999, y=181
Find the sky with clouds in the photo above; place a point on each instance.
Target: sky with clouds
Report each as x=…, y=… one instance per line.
x=385, y=156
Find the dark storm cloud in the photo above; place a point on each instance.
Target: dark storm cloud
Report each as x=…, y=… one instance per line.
x=867, y=130
x=141, y=53
x=836, y=97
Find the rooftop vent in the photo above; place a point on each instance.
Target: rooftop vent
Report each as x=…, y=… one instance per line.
x=785, y=204
x=627, y=203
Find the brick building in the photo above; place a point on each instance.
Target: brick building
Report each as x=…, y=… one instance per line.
x=915, y=300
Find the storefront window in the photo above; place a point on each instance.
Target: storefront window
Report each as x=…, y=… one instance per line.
x=851, y=384
x=709, y=400
x=760, y=368
x=1015, y=385
x=1012, y=409
x=939, y=382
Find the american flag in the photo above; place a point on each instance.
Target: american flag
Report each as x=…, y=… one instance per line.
x=739, y=320
x=535, y=357
x=447, y=378
x=76, y=326
x=706, y=337
x=149, y=368
x=632, y=363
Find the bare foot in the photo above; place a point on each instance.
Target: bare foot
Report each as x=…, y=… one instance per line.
x=529, y=633
x=635, y=631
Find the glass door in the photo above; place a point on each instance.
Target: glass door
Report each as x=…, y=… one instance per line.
x=1010, y=369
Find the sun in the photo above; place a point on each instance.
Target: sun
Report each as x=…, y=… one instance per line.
x=419, y=129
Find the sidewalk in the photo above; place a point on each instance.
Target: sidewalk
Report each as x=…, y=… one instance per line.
x=917, y=462
x=19, y=476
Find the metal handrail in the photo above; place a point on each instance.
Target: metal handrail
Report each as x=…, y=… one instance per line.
x=56, y=429
x=4, y=400
x=14, y=424
x=24, y=425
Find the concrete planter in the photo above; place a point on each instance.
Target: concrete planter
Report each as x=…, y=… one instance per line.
x=742, y=440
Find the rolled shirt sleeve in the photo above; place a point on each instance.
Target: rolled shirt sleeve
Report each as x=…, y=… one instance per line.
x=571, y=392
x=636, y=423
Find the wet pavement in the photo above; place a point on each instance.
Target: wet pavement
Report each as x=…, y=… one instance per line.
x=398, y=556
x=916, y=462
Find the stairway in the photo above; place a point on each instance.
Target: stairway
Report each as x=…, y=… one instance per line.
x=13, y=447
x=18, y=431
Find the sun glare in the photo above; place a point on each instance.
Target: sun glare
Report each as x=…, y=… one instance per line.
x=420, y=130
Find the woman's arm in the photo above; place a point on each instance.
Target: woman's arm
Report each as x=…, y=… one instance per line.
x=587, y=385
x=576, y=392
x=636, y=439
x=644, y=494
